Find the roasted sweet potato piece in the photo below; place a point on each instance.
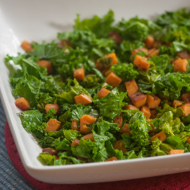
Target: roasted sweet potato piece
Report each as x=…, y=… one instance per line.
x=111, y=159
x=113, y=79
x=186, y=109
x=146, y=111
x=118, y=120
x=149, y=42
x=153, y=114
x=180, y=65
x=130, y=107
x=107, y=72
x=177, y=103
x=153, y=101
x=52, y=106
x=125, y=129
x=119, y=145
x=79, y=74
x=116, y=37
x=74, y=125
x=138, y=99
x=84, y=121
x=186, y=97
x=138, y=50
x=26, y=46
x=22, y=104
x=141, y=63
x=153, y=52
x=83, y=99
x=184, y=54
x=65, y=43
x=188, y=140
x=51, y=151
x=176, y=152
x=114, y=58
x=75, y=142
x=89, y=136
x=53, y=125
x=156, y=43
x=103, y=92
x=46, y=64
x=161, y=136
x=131, y=87
x=99, y=66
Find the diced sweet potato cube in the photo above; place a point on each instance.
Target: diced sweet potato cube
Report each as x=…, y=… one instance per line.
x=118, y=120
x=138, y=50
x=116, y=37
x=83, y=99
x=46, y=64
x=186, y=97
x=75, y=142
x=65, y=43
x=99, y=66
x=111, y=159
x=113, y=79
x=84, y=121
x=89, y=136
x=119, y=145
x=51, y=151
x=176, y=152
x=125, y=129
x=180, y=65
x=186, y=109
x=146, y=111
x=22, y=104
x=131, y=87
x=130, y=107
x=156, y=43
x=52, y=106
x=153, y=101
x=79, y=74
x=138, y=99
x=74, y=125
x=114, y=58
x=188, y=140
x=161, y=136
x=149, y=42
x=153, y=114
x=103, y=92
x=141, y=63
x=107, y=72
x=53, y=125
x=26, y=46
x=153, y=52
x=177, y=103
x=184, y=55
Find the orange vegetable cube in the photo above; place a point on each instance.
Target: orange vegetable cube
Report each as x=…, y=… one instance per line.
x=111, y=159
x=180, y=65
x=176, y=152
x=85, y=120
x=75, y=142
x=149, y=42
x=131, y=87
x=83, y=99
x=116, y=37
x=52, y=106
x=118, y=120
x=79, y=74
x=53, y=125
x=107, y=72
x=125, y=129
x=89, y=136
x=186, y=109
x=103, y=92
x=114, y=58
x=153, y=101
x=153, y=114
x=188, y=140
x=46, y=64
x=138, y=99
x=119, y=145
x=130, y=107
x=138, y=50
x=153, y=52
x=161, y=136
x=74, y=125
x=186, y=97
x=146, y=111
x=22, y=104
x=141, y=63
x=184, y=55
x=177, y=103
x=113, y=79
x=65, y=43
x=26, y=46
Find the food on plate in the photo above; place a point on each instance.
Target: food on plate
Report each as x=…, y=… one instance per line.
x=108, y=90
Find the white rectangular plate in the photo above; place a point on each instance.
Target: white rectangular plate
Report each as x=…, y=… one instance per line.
x=39, y=20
